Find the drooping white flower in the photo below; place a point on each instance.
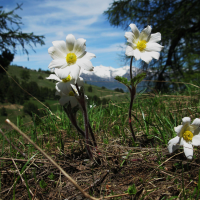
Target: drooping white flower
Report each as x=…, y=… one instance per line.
x=93, y=105
x=64, y=86
x=143, y=45
x=187, y=136
x=71, y=54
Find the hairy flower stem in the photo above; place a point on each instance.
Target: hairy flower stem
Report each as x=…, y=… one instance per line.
x=74, y=123
x=133, y=93
x=131, y=76
x=92, y=134
x=82, y=102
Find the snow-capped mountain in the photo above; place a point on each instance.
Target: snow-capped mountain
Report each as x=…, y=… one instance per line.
x=102, y=73
x=104, y=76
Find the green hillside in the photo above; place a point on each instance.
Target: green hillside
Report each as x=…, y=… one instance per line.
x=14, y=110
x=98, y=91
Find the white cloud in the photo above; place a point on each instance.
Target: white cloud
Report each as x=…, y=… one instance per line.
x=79, y=7
x=112, y=48
x=111, y=34
x=55, y=19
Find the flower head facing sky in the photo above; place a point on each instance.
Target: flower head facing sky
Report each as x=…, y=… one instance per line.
x=71, y=54
x=65, y=87
x=143, y=45
x=187, y=136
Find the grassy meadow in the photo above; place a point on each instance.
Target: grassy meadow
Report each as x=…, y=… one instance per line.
x=120, y=170
x=14, y=111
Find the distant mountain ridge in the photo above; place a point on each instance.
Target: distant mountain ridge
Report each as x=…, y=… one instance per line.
x=104, y=76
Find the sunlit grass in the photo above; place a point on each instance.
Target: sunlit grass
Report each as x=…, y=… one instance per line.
x=154, y=117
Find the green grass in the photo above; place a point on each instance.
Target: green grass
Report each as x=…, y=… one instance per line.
x=154, y=117
x=54, y=104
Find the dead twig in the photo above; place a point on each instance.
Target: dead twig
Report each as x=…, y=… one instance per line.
x=51, y=160
x=22, y=178
x=17, y=149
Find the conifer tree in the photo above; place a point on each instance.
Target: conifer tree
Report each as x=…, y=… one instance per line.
x=11, y=36
x=178, y=21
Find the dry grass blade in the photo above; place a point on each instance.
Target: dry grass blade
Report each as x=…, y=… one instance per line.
x=17, y=149
x=22, y=179
x=51, y=160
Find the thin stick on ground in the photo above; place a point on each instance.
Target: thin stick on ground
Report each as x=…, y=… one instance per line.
x=17, y=149
x=51, y=160
x=22, y=178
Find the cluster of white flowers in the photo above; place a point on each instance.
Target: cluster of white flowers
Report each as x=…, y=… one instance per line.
x=68, y=58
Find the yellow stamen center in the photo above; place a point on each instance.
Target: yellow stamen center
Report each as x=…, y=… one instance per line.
x=67, y=79
x=71, y=58
x=141, y=45
x=71, y=93
x=187, y=135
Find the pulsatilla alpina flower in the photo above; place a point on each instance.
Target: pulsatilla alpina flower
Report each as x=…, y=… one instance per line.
x=143, y=45
x=71, y=54
x=64, y=87
x=187, y=136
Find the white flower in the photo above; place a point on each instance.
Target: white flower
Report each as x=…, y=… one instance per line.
x=71, y=54
x=187, y=135
x=65, y=85
x=143, y=45
x=92, y=106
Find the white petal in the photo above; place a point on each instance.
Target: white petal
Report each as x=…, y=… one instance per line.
x=55, y=53
x=145, y=34
x=89, y=56
x=186, y=120
x=173, y=144
x=62, y=73
x=178, y=129
x=70, y=41
x=75, y=71
x=58, y=63
x=188, y=150
x=130, y=37
x=129, y=51
x=153, y=47
x=63, y=100
x=154, y=54
x=137, y=54
x=146, y=57
x=156, y=37
x=79, y=47
x=196, y=122
x=196, y=140
x=61, y=46
x=135, y=30
x=85, y=64
x=54, y=77
x=63, y=88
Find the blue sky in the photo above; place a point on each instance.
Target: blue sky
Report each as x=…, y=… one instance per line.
x=56, y=19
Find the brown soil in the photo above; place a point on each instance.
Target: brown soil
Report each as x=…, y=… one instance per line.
x=156, y=174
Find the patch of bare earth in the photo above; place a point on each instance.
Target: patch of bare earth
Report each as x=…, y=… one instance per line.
x=156, y=173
